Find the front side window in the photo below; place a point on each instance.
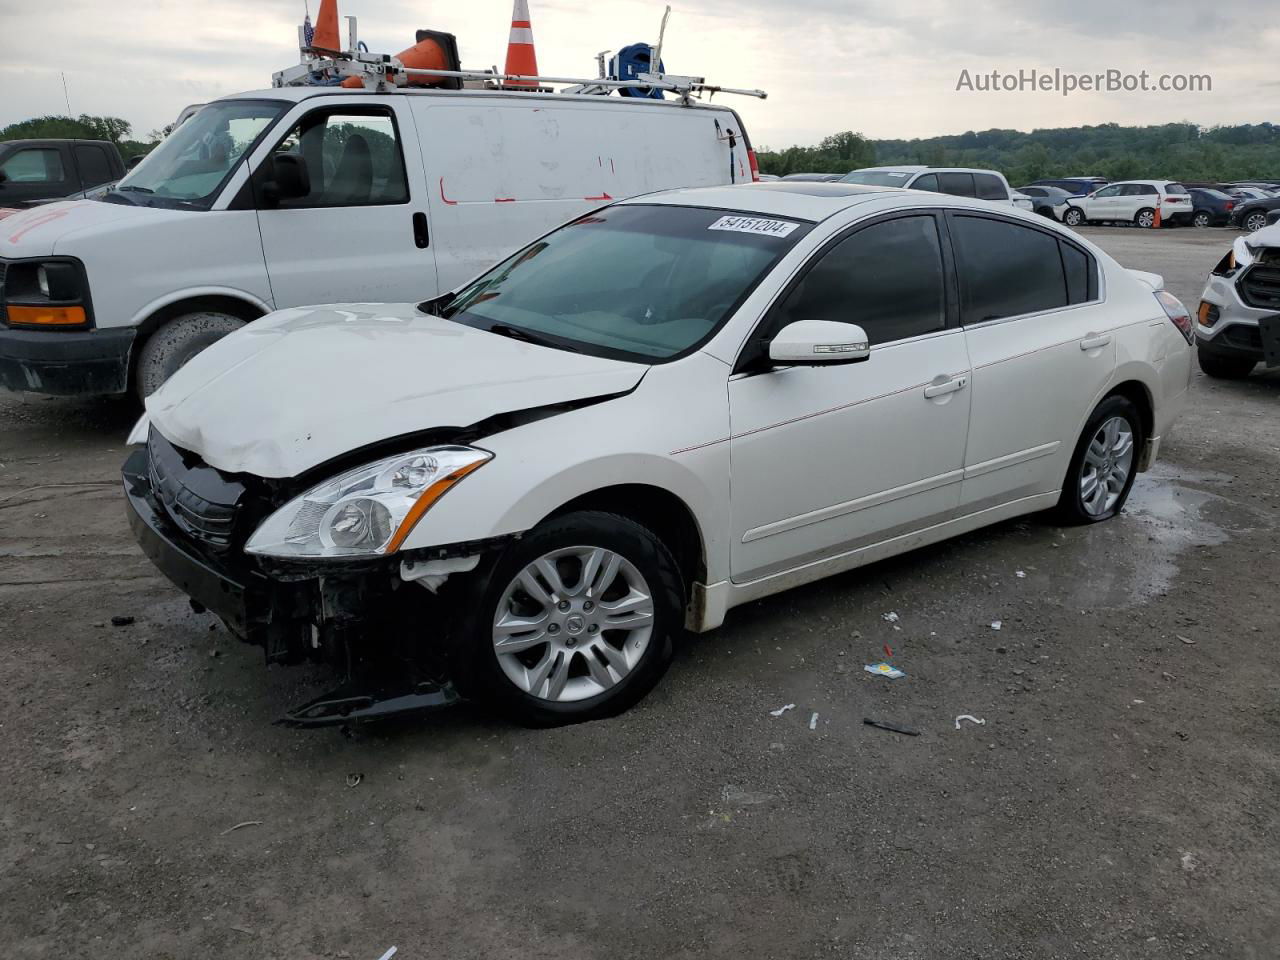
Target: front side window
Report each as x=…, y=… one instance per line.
x=638, y=282
x=926, y=181
x=33, y=166
x=1005, y=269
x=190, y=166
x=888, y=278
x=957, y=184
x=352, y=159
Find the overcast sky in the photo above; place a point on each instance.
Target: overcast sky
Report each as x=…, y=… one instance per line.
x=885, y=69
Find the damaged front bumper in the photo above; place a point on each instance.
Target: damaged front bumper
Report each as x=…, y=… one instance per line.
x=379, y=629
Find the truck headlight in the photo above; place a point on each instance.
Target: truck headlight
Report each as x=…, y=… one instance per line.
x=46, y=293
x=368, y=511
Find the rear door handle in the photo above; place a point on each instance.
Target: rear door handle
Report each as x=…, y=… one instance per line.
x=942, y=389
x=1095, y=341
x=420, y=235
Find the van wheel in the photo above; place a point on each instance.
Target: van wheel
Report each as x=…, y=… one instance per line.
x=170, y=347
x=1145, y=218
x=575, y=622
x=1104, y=464
x=1073, y=217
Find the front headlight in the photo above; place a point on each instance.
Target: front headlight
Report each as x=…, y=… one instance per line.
x=368, y=511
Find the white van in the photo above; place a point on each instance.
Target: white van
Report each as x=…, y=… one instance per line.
x=301, y=195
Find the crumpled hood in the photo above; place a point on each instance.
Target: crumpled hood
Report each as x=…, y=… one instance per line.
x=1266, y=237
x=36, y=231
x=299, y=387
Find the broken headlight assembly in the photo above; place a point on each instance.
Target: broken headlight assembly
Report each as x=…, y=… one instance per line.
x=365, y=512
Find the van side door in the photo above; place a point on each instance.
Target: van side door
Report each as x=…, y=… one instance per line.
x=359, y=231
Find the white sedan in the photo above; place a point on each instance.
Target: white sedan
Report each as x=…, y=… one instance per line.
x=660, y=411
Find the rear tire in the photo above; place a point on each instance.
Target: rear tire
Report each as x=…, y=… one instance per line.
x=1104, y=464
x=1224, y=368
x=1202, y=219
x=174, y=344
x=544, y=654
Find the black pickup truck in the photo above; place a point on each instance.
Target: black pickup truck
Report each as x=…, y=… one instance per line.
x=33, y=170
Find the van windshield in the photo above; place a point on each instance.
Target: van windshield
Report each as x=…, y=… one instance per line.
x=636, y=282
x=190, y=165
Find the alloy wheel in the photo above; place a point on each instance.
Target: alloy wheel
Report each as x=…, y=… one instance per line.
x=1146, y=219
x=1106, y=467
x=573, y=623
x=1255, y=222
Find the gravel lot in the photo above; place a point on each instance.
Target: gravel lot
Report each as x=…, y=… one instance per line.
x=1120, y=801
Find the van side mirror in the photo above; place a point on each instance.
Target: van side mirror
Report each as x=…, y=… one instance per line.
x=291, y=177
x=819, y=343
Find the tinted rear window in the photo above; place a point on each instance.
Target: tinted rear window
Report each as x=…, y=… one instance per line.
x=1006, y=269
x=957, y=184
x=990, y=187
x=1175, y=188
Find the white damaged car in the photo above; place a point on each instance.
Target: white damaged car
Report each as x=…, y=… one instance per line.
x=1238, y=320
x=664, y=409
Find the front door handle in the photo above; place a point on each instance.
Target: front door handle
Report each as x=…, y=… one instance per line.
x=1094, y=341
x=948, y=386
x=420, y=235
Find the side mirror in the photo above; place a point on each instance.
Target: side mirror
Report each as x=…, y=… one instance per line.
x=290, y=176
x=819, y=343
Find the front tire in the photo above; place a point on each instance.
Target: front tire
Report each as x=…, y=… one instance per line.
x=1074, y=217
x=1224, y=368
x=1255, y=222
x=1104, y=464
x=174, y=344
x=574, y=622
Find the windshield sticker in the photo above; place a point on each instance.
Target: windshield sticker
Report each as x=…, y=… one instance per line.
x=756, y=225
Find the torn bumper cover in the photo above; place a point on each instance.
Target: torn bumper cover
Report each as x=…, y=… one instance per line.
x=359, y=617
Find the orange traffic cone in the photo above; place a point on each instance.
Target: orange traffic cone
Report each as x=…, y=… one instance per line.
x=521, y=59
x=1156, y=222
x=326, y=35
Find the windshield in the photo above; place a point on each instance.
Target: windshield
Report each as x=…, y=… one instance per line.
x=191, y=164
x=878, y=178
x=633, y=281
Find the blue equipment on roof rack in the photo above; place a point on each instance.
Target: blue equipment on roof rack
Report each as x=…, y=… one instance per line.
x=628, y=63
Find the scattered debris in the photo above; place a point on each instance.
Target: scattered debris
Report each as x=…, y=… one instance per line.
x=781, y=710
x=122, y=621
x=1002, y=649
x=245, y=823
x=388, y=955
x=239, y=929
x=1189, y=862
x=1139, y=701
x=970, y=718
x=1021, y=574
x=889, y=725
x=813, y=722
x=1185, y=639
x=996, y=624
x=890, y=617
x=884, y=670
x=353, y=779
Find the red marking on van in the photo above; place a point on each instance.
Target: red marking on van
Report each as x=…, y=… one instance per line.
x=452, y=203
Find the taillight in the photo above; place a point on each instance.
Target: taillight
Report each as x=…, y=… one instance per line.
x=755, y=167
x=1176, y=312
x=1230, y=206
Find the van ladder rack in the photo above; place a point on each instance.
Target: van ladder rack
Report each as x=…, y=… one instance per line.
x=381, y=72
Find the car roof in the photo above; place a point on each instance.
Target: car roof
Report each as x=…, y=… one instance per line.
x=807, y=201
x=1121, y=183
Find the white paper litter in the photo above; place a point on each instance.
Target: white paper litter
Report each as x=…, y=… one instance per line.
x=781, y=710
x=813, y=722
x=970, y=718
x=884, y=670
x=1021, y=574
x=890, y=617
x=996, y=624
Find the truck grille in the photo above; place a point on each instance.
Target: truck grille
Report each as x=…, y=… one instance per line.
x=198, y=498
x=1260, y=286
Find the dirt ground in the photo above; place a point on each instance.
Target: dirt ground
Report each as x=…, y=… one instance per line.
x=1120, y=801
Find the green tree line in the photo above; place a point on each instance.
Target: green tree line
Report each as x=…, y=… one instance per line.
x=1174, y=151
x=83, y=127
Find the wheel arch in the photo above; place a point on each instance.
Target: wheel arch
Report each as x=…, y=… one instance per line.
x=155, y=315
x=658, y=510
